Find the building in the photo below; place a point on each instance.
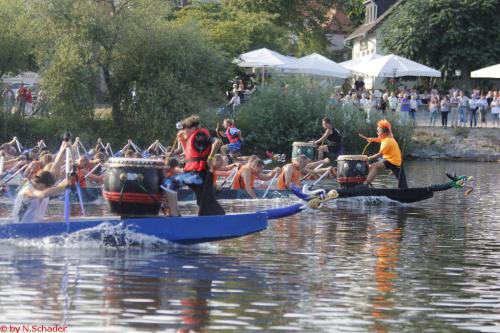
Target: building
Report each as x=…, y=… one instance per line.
x=366, y=39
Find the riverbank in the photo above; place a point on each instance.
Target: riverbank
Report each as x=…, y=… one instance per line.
x=466, y=144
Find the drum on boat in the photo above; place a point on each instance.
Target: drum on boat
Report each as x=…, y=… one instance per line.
x=352, y=170
x=304, y=148
x=132, y=186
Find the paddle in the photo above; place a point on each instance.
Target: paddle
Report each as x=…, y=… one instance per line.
x=270, y=184
x=15, y=174
x=230, y=176
x=19, y=147
x=136, y=148
x=320, y=178
x=309, y=174
x=2, y=162
x=109, y=151
x=79, y=192
x=67, y=192
x=92, y=171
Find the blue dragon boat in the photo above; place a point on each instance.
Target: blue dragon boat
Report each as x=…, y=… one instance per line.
x=183, y=230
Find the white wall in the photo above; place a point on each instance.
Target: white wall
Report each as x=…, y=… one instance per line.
x=361, y=47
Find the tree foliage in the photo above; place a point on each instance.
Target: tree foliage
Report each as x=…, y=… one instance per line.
x=235, y=31
x=273, y=120
x=446, y=34
x=153, y=71
x=15, y=39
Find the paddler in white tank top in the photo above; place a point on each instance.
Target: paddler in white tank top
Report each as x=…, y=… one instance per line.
x=33, y=197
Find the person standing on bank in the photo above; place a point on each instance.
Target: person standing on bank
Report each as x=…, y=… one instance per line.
x=199, y=149
x=389, y=152
x=330, y=143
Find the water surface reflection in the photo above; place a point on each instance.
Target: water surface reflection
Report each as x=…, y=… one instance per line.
x=354, y=266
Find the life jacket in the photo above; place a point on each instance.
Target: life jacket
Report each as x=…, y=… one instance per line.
x=196, y=158
x=81, y=178
x=238, y=182
x=281, y=184
x=232, y=138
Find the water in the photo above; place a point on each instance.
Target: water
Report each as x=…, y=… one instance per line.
x=354, y=266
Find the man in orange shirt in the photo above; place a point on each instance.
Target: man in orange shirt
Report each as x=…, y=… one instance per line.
x=390, y=153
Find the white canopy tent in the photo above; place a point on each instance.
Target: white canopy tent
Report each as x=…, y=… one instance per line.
x=315, y=64
x=354, y=62
x=487, y=72
x=262, y=58
x=394, y=66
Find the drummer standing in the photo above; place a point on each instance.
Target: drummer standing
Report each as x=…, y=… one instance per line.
x=199, y=149
x=331, y=141
x=390, y=153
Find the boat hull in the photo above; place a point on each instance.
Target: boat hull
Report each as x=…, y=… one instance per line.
x=185, y=230
x=91, y=194
x=405, y=195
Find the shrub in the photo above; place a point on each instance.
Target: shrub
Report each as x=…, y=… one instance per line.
x=273, y=120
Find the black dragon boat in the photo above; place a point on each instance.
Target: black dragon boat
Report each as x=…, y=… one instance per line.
x=404, y=195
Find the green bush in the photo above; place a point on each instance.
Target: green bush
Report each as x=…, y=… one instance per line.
x=272, y=120
x=51, y=129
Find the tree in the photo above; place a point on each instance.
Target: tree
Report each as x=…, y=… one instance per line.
x=153, y=71
x=235, y=31
x=445, y=34
x=306, y=21
x=15, y=42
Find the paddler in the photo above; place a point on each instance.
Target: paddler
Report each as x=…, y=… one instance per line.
x=330, y=143
x=300, y=168
x=33, y=197
x=389, y=152
x=199, y=149
x=233, y=135
x=83, y=167
x=245, y=177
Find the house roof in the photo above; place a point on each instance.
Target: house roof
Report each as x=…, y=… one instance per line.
x=362, y=30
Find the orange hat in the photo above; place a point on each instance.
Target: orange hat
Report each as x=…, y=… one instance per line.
x=384, y=123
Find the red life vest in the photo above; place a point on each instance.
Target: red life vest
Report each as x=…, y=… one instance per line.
x=232, y=138
x=196, y=159
x=81, y=178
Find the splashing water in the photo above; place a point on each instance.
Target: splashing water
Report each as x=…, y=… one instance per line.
x=107, y=235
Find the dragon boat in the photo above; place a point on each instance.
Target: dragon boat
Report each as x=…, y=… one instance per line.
x=132, y=191
x=183, y=230
x=405, y=195
x=91, y=194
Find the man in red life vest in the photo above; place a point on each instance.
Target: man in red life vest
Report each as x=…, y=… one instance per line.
x=199, y=148
x=233, y=135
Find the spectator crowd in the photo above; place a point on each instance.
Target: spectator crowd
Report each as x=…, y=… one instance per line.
x=454, y=108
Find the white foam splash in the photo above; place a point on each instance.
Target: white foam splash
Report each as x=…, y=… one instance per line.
x=107, y=235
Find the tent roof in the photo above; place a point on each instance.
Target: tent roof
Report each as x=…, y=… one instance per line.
x=488, y=72
x=315, y=64
x=262, y=58
x=393, y=65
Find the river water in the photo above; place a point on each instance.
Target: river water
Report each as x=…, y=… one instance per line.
x=353, y=266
